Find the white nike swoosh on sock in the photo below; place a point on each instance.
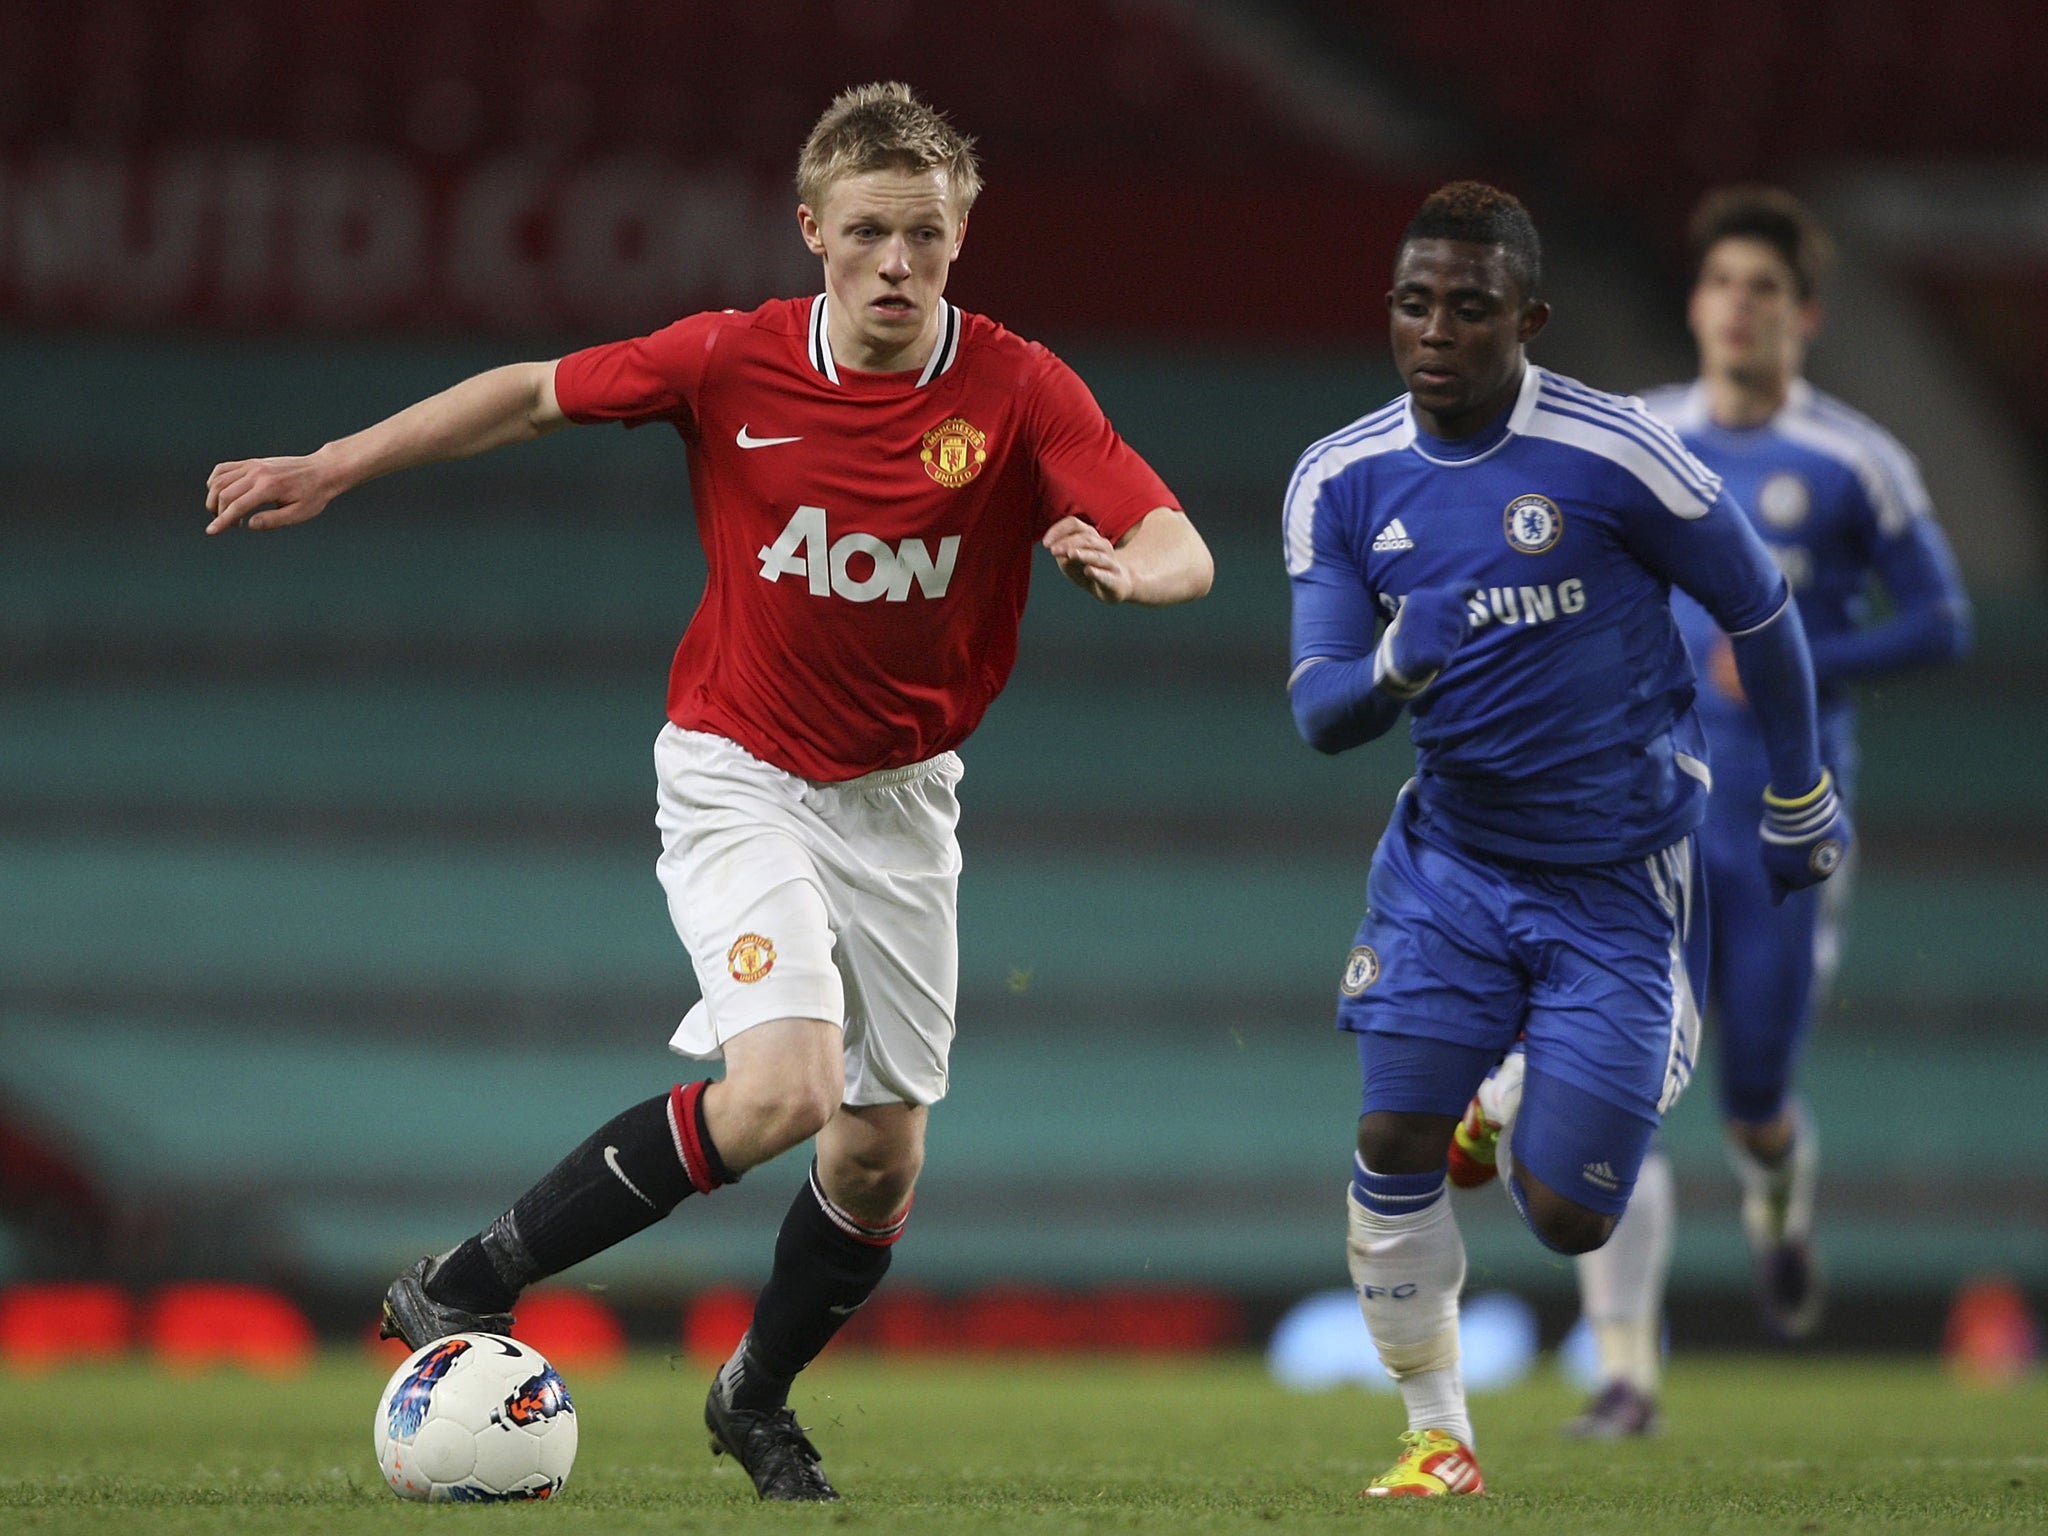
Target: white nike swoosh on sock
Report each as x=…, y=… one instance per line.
x=611, y=1161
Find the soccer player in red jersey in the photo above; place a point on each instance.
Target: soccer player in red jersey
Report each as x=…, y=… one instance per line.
x=872, y=469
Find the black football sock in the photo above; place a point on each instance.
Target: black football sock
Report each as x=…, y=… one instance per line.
x=632, y=1172
x=827, y=1264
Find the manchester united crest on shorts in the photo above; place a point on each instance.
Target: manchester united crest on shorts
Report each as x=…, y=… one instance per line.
x=750, y=958
x=954, y=451
x=1361, y=970
x=1533, y=523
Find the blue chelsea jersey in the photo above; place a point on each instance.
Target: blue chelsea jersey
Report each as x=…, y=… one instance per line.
x=1836, y=500
x=1562, y=731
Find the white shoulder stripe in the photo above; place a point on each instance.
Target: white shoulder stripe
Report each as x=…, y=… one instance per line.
x=1628, y=416
x=1683, y=495
x=1681, y=407
x=1385, y=431
x=1676, y=495
x=1885, y=470
x=1366, y=426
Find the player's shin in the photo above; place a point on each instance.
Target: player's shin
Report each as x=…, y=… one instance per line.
x=1407, y=1262
x=626, y=1176
x=827, y=1264
x=1778, y=1192
x=1621, y=1283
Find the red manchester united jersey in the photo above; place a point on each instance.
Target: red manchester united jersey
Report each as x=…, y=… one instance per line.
x=869, y=536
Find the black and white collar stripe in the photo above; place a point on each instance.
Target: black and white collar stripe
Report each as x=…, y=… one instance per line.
x=943, y=354
x=821, y=349
x=948, y=346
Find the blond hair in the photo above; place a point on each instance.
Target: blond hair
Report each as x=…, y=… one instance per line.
x=883, y=127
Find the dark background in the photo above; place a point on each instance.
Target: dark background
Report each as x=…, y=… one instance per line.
x=327, y=910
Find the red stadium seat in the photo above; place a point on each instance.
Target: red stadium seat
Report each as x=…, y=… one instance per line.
x=203, y=1325
x=42, y=1326
x=714, y=1320
x=572, y=1328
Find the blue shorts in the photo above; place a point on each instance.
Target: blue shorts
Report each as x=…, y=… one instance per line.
x=1461, y=953
x=1771, y=965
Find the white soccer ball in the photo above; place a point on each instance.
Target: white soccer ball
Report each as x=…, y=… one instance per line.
x=475, y=1418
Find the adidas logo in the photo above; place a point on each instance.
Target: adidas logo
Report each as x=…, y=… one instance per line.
x=1458, y=1472
x=1600, y=1174
x=1392, y=537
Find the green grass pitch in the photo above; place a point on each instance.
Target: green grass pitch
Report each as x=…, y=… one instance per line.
x=1777, y=1445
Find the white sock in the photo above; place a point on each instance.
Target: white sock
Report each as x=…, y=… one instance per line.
x=1409, y=1269
x=1621, y=1283
x=1500, y=1100
x=1778, y=1198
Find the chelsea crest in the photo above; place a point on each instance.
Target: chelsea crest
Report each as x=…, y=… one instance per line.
x=1533, y=523
x=1361, y=970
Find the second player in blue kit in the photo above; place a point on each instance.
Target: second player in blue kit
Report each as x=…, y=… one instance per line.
x=1840, y=505
x=1493, y=554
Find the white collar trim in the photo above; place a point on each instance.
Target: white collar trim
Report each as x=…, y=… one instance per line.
x=944, y=353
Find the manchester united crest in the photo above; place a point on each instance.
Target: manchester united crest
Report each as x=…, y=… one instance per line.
x=750, y=958
x=954, y=451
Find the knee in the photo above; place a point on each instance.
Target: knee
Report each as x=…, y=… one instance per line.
x=1579, y=1232
x=1562, y=1225
x=869, y=1159
x=1404, y=1143
x=1764, y=1137
x=872, y=1185
x=786, y=1110
x=798, y=1111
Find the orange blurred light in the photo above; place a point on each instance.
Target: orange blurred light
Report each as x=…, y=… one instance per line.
x=1992, y=1338
x=714, y=1320
x=42, y=1326
x=574, y=1329
x=203, y=1325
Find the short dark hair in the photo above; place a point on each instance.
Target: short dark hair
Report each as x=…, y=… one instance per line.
x=1755, y=212
x=1473, y=212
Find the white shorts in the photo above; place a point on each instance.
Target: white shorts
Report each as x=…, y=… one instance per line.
x=800, y=900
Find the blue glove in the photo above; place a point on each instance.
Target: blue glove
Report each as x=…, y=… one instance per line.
x=1431, y=625
x=1805, y=839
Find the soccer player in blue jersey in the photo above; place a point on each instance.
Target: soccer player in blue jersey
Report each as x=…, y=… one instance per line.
x=1493, y=553
x=1839, y=504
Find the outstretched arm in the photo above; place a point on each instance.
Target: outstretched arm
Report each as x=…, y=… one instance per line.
x=1161, y=561
x=513, y=404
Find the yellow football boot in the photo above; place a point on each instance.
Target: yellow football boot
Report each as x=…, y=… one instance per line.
x=1475, y=1148
x=1433, y=1464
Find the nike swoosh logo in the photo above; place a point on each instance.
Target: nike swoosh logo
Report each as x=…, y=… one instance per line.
x=747, y=439
x=611, y=1161
x=845, y=1311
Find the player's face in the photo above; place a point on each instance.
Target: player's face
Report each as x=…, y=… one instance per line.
x=1458, y=323
x=1747, y=315
x=888, y=239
